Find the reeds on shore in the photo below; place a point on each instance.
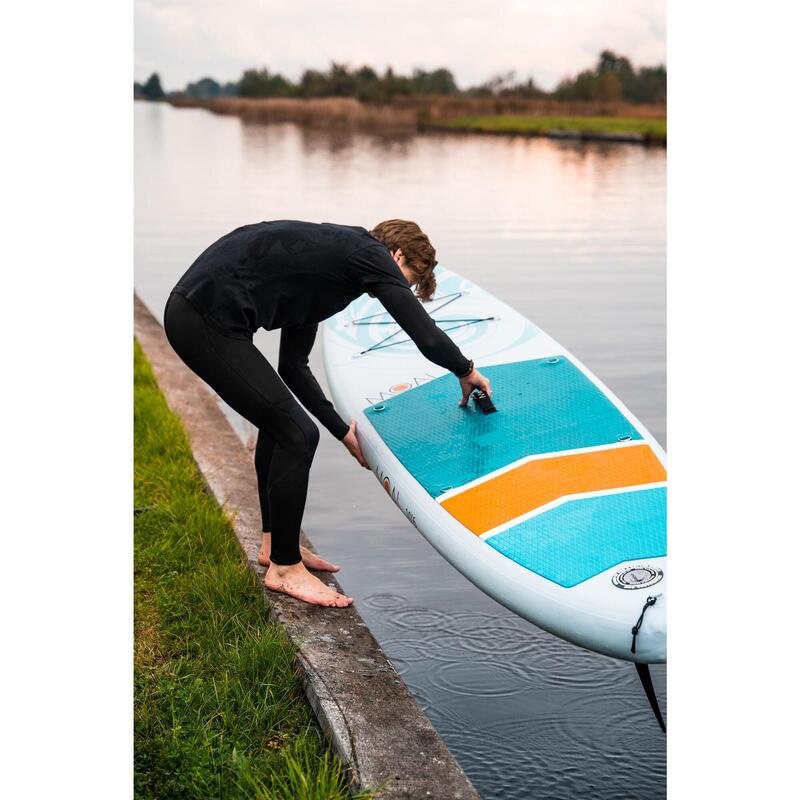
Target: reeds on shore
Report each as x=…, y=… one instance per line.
x=323, y=112
x=410, y=113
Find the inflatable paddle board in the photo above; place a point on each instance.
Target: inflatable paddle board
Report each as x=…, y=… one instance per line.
x=555, y=505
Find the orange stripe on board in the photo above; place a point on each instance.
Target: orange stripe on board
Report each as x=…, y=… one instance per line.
x=535, y=483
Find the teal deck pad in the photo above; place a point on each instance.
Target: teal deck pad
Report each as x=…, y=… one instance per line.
x=543, y=407
x=583, y=537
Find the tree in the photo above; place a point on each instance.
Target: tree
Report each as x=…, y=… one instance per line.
x=440, y=81
x=609, y=61
x=341, y=82
x=263, y=83
x=367, y=74
x=582, y=87
x=614, y=78
x=152, y=88
x=204, y=88
x=651, y=85
x=609, y=87
x=312, y=84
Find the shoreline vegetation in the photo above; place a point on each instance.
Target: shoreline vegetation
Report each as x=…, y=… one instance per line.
x=554, y=119
x=612, y=129
x=613, y=101
x=219, y=709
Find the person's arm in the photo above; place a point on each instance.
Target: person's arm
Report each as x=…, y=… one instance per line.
x=408, y=313
x=432, y=341
x=296, y=344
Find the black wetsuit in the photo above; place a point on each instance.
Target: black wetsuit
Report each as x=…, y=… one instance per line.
x=290, y=275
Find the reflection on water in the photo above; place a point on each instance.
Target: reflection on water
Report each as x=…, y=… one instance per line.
x=572, y=235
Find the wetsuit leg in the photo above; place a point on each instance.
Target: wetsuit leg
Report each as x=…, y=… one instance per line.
x=265, y=447
x=247, y=382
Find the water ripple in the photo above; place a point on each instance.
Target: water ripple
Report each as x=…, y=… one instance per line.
x=479, y=679
x=383, y=601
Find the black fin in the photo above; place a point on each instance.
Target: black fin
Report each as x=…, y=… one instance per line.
x=647, y=684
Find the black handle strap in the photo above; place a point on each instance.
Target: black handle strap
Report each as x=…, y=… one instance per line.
x=651, y=601
x=643, y=670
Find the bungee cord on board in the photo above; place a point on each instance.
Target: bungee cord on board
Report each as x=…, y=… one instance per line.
x=449, y=298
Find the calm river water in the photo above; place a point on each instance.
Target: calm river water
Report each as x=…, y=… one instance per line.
x=570, y=234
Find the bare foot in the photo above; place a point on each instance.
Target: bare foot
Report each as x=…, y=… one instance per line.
x=311, y=560
x=297, y=581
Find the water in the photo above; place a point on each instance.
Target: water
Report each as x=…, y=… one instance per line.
x=573, y=236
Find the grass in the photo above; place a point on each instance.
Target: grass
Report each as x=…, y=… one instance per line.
x=219, y=708
x=654, y=130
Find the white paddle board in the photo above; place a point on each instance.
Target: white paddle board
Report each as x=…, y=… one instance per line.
x=555, y=505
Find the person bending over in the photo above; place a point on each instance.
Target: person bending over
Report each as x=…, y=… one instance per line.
x=292, y=275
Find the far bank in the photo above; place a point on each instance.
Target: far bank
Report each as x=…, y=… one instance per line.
x=604, y=121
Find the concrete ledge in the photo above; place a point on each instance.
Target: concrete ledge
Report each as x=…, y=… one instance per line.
x=367, y=712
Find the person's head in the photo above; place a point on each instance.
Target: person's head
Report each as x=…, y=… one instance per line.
x=413, y=252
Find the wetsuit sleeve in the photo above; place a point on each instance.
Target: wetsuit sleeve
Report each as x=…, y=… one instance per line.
x=372, y=265
x=408, y=313
x=296, y=344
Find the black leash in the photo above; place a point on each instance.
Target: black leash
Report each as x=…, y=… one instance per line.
x=643, y=670
x=651, y=601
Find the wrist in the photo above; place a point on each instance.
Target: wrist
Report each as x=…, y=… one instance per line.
x=468, y=372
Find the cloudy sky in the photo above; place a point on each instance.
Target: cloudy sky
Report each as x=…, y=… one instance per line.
x=185, y=40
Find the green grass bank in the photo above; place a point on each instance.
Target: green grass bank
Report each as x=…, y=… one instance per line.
x=219, y=708
x=646, y=130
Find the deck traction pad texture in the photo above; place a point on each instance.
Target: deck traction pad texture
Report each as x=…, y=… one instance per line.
x=542, y=407
x=586, y=536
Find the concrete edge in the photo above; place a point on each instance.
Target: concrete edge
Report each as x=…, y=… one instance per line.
x=364, y=708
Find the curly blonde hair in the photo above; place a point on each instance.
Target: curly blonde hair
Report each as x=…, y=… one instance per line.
x=420, y=254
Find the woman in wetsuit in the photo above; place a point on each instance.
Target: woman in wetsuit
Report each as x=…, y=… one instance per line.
x=292, y=275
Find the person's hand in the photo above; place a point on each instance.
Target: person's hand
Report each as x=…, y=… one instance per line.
x=473, y=381
x=351, y=443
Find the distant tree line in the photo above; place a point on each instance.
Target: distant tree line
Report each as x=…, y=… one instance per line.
x=612, y=78
x=339, y=80
x=208, y=87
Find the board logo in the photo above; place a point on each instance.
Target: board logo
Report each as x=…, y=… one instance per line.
x=399, y=388
x=394, y=493
x=638, y=577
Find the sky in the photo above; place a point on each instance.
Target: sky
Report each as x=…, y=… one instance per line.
x=184, y=40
